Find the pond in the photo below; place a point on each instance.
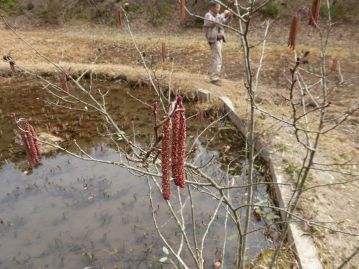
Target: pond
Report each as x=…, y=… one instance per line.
x=71, y=213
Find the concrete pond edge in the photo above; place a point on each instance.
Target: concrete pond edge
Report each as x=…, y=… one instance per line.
x=302, y=244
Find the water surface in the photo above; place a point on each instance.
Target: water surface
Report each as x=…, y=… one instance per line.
x=69, y=213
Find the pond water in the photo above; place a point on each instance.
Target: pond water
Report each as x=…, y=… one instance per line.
x=69, y=213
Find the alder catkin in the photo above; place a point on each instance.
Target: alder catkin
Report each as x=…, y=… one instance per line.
x=166, y=192
x=12, y=67
x=175, y=144
x=182, y=150
x=64, y=82
x=33, y=134
x=293, y=32
x=164, y=52
x=201, y=117
x=182, y=10
x=314, y=14
x=155, y=108
x=179, y=143
x=11, y=62
x=29, y=141
x=118, y=17
x=334, y=65
x=26, y=146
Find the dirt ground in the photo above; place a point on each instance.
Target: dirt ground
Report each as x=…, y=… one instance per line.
x=112, y=49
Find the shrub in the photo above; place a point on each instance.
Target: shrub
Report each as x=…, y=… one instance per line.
x=7, y=4
x=338, y=12
x=160, y=12
x=273, y=10
x=51, y=12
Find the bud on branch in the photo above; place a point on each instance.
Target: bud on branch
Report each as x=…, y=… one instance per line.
x=11, y=62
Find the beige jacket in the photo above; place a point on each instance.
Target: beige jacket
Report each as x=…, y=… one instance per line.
x=212, y=29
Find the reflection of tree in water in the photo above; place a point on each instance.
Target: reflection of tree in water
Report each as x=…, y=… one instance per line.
x=68, y=192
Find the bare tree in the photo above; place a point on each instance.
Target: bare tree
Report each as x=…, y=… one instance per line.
x=156, y=159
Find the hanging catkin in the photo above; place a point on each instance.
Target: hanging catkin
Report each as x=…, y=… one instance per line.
x=182, y=10
x=334, y=65
x=179, y=143
x=314, y=13
x=293, y=32
x=164, y=52
x=29, y=141
x=166, y=192
x=34, y=144
x=11, y=62
x=175, y=144
x=65, y=82
x=182, y=149
x=118, y=17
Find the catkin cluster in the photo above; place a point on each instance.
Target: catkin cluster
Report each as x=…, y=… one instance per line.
x=313, y=21
x=174, y=149
x=29, y=141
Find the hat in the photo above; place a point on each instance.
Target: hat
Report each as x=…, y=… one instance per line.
x=213, y=2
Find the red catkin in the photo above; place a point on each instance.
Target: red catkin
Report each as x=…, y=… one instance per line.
x=182, y=10
x=65, y=82
x=293, y=32
x=175, y=144
x=32, y=147
x=155, y=107
x=155, y=112
x=334, y=65
x=179, y=144
x=166, y=191
x=11, y=62
x=201, y=117
x=26, y=146
x=29, y=142
x=118, y=17
x=35, y=142
x=164, y=52
x=12, y=67
x=182, y=150
x=314, y=14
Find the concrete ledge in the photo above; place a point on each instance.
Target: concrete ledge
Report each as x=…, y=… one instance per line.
x=203, y=95
x=301, y=243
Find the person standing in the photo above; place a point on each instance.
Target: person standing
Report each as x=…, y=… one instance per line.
x=214, y=32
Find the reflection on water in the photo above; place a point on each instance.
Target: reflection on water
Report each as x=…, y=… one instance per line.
x=69, y=213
